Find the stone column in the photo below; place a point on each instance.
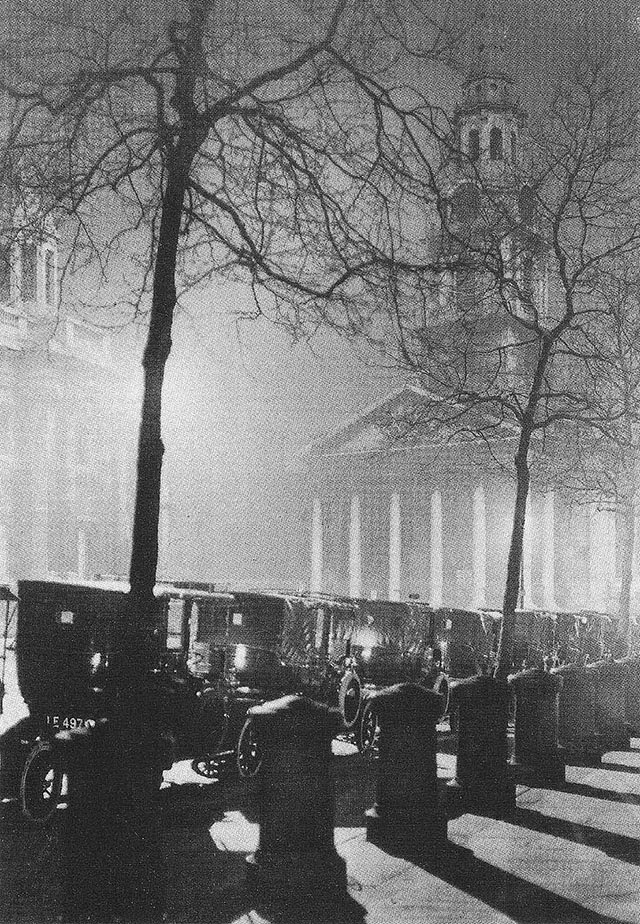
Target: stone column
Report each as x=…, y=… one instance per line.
x=527, y=557
x=355, y=549
x=4, y=556
x=548, y=552
x=316, y=547
x=82, y=552
x=635, y=580
x=435, y=586
x=42, y=453
x=613, y=590
x=479, y=548
x=395, y=547
x=602, y=557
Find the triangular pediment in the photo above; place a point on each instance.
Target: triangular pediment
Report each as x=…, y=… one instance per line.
x=378, y=427
x=408, y=417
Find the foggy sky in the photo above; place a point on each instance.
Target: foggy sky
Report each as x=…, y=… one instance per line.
x=240, y=406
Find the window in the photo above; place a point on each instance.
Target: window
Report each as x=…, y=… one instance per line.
x=465, y=204
x=509, y=358
x=467, y=289
x=495, y=144
x=29, y=259
x=514, y=147
x=474, y=144
x=50, y=287
x=5, y=274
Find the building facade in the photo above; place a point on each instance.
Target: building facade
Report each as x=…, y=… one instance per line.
x=429, y=516
x=67, y=451
x=392, y=519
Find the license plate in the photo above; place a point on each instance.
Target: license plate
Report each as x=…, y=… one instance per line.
x=69, y=721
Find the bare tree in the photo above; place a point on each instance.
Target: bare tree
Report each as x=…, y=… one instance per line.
x=602, y=448
x=501, y=334
x=217, y=140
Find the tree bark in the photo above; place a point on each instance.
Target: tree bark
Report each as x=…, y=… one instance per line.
x=523, y=477
x=514, y=563
x=180, y=157
x=144, y=549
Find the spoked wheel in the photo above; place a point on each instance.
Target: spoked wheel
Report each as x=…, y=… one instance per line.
x=41, y=783
x=206, y=766
x=209, y=764
x=350, y=698
x=369, y=732
x=248, y=752
x=441, y=686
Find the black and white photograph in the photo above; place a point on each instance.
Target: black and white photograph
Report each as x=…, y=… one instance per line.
x=319, y=461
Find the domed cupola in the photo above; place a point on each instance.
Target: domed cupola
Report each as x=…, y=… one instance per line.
x=489, y=121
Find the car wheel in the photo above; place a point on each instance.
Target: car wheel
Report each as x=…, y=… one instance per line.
x=41, y=783
x=350, y=698
x=369, y=732
x=441, y=686
x=208, y=767
x=248, y=752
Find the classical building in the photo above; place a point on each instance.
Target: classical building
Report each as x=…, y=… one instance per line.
x=68, y=436
x=396, y=514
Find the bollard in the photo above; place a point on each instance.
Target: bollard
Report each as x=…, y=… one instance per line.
x=632, y=694
x=405, y=814
x=610, y=682
x=482, y=784
x=536, y=758
x=112, y=824
x=296, y=855
x=576, y=710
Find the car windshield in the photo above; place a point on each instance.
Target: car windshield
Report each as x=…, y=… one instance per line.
x=249, y=661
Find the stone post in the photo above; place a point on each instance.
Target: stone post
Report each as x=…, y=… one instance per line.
x=296, y=855
x=406, y=813
x=576, y=710
x=113, y=854
x=536, y=758
x=610, y=682
x=632, y=696
x=482, y=783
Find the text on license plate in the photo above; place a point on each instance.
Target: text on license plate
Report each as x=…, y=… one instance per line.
x=69, y=721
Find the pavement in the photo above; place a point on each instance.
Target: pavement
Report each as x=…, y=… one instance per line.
x=568, y=854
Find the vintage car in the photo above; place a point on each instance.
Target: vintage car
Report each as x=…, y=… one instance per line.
x=397, y=641
x=73, y=643
x=268, y=645
x=584, y=637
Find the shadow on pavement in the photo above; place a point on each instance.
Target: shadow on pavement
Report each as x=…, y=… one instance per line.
x=596, y=792
x=618, y=767
x=520, y=900
x=207, y=881
x=618, y=846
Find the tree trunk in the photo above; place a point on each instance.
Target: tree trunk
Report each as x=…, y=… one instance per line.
x=144, y=549
x=179, y=160
x=628, y=524
x=514, y=565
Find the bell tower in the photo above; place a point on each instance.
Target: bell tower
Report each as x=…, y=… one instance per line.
x=489, y=122
x=488, y=200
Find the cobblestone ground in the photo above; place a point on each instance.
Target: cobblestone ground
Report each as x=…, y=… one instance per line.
x=568, y=854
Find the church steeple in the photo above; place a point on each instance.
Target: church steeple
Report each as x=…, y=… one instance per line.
x=489, y=121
